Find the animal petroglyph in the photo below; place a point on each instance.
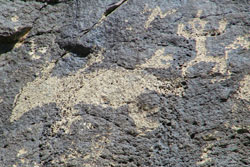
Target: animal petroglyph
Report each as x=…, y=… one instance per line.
x=117, y=85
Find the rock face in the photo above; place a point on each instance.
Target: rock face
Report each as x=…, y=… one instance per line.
x=124, y=83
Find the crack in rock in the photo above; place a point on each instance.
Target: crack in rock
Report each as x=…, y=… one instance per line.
x=112, y=7
x=8, y=41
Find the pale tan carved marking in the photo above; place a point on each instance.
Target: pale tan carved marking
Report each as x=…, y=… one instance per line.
x=15, y=18
x=129, y=28
x=198, y=26
x=32, y=53
x=204, y=156
x=21, y=152
x=159, y=60
x=34, y=50
x=244, y=90
x=42, y=50
x=117, y=85
x=240, y=41
x=156, y=12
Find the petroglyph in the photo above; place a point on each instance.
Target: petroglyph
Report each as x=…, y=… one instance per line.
x=21, y=152
x=84, y=88
x=15, y=18
x=33, y=50
x=200, y=38
x=244, y=91
x=241, y=41
x=204, y=156
x=154, y=13
x=159, y=60
x=118, y=85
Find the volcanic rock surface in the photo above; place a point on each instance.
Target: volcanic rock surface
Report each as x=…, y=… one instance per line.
x=131, y=83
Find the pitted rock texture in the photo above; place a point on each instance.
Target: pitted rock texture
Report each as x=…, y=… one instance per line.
x=97, y=83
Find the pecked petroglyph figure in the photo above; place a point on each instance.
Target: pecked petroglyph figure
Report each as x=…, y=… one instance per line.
x=198, y=26
x=118, y=86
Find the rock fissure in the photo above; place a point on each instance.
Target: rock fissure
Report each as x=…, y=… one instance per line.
x=110, y=9
x=8, y=41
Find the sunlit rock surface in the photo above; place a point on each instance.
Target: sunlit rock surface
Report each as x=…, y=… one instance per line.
x=97, y=83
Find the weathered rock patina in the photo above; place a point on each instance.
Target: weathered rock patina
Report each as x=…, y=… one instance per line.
x=124, y=83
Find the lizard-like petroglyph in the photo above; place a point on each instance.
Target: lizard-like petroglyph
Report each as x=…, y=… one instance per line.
x=117, y=85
